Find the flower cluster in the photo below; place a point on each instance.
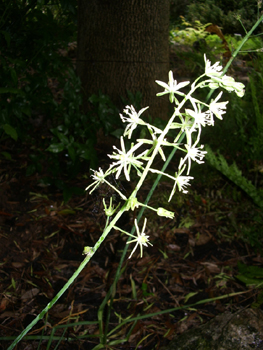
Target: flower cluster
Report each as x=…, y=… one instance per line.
x=224, y=81
x=140, y=155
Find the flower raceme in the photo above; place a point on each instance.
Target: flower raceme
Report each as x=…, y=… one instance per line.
x=141, y=154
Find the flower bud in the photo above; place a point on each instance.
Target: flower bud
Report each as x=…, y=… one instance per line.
x=165, y=213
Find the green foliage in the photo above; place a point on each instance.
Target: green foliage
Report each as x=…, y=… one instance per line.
x=252, y=233
x=245, y=121
x=105, y=115
x=41, y=93
x=177, y=9
x=192, y=41
x=190, y=33
x=225, y=13
x=235, y=175
x=74, y=135
x=250, y=275
x=30, y=38
x=252, y=44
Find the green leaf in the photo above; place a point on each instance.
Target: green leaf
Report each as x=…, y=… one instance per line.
x=250, y=271
x=62, y=138
x=66, y=212
x=117, y=133
x=14, y=76
x=250, y=281
x=31, y=169
x=72, y=153
x=11, y=91
x=7, y=155
x=56, y=147
x=9, y=130
x=7, y=37
x=26, y=110
x=189, y=295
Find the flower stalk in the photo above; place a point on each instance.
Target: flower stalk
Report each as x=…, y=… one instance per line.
x=190, y=121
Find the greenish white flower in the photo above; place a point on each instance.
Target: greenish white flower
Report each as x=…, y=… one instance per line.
x=99, y=178
x=141, y=239
x=126, y=159
x=171, y=88
x=186, y=125
x=214, y=70
x=195, y=154
x=133, y=119
x=200, y=119
x=218, y=108
x=180, y=181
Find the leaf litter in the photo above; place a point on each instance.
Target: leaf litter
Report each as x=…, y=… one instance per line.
x=42, y=240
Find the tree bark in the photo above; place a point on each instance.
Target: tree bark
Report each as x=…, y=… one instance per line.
x=124, y=45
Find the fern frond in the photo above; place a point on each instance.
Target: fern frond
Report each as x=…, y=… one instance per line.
x=235, y=175
x=259, y=116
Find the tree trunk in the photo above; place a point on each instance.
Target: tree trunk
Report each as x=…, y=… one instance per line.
x=124, y=45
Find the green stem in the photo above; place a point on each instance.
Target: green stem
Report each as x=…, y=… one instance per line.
x=110, y=293
x=119, y=214
x=242, y=44
x=236, y=52
x=71, y=280
x=160, y=140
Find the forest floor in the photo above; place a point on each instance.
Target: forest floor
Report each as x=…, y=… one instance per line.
x=193, y=258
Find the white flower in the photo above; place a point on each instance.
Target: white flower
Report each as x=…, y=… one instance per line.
x=99, y=178
x=200, y=118
x=141, y=239
x=180, y=181
x=171, y=88
x=193, y=153
x=212, y=71
x=133, y=119
x=126, y=159
x=218, y=108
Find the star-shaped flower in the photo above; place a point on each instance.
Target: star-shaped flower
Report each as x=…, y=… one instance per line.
x=181, y=182
x=133, y=120
x=126, y=159
x=171, y=88
x=200, y=119
x=214, y=70
x=99, y=178
x=141, y=239
x=195, y=154
x=218, y=108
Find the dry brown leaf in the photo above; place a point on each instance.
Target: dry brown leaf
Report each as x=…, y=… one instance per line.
x=29, y=294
